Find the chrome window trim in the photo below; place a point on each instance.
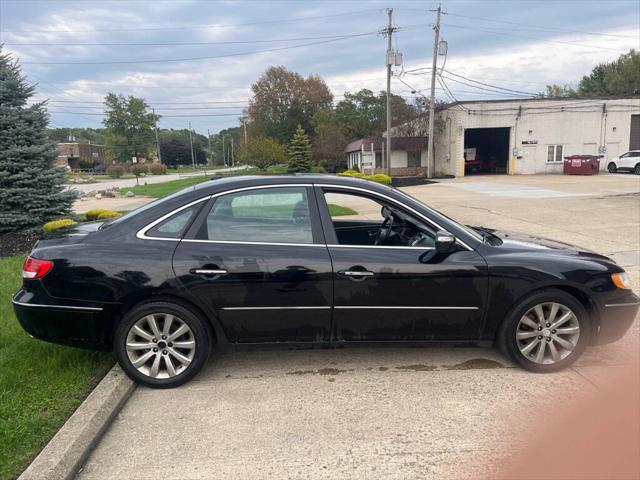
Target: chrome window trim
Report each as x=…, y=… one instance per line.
x=59, y=307
x=382, y=246
x=238, y=242
x=324, y=307
x=401, y=307
x=401, y=205
x=632, y=304
x=142, y=233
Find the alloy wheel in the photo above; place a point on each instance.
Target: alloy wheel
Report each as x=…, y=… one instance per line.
x=160, y=345
x=547, y=333
x=612, y=168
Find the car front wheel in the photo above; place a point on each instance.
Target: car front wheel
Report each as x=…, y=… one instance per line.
x=637, y=169
x=546, y=332
x=612, y=168
x=162, y=344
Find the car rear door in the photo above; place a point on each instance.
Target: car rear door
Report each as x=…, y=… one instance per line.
x=257, y=259
x=411, y=293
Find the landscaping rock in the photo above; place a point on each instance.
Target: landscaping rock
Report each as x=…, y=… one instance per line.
x=98, y=196
x=129, y=194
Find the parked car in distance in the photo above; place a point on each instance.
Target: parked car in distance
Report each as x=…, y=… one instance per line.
x=312, y=259
x=627, y=162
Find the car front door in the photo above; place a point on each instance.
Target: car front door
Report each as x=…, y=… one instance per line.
x=386, y=292
x=257, y=259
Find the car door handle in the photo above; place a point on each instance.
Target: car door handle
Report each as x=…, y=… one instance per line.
x=208, y=271
x=358, y=273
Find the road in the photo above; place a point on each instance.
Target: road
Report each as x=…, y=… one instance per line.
x=131, y=182
x=392, y=413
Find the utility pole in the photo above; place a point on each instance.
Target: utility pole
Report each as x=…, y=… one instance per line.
x=209, y=142
x=224, y=157
x=232, y=157
x=244, y=125
x=193, y=158
x=155, y=119
x=432, y=104
x=390, y=61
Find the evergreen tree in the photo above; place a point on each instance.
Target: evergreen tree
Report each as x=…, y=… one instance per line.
x=299, y=152
x=31, y=190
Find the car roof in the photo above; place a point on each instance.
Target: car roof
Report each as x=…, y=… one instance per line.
x=229, y=183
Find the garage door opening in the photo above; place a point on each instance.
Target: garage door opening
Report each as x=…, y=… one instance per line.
x=486, y=150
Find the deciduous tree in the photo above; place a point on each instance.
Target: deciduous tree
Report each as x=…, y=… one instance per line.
x=283, y=99
x=262, y=152
x=130, y=127
x=31, y=186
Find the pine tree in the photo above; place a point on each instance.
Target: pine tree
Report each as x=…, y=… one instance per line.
x=299, y=152
x=31, y=190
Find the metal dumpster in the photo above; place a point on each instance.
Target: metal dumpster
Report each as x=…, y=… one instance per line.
x=582, y=165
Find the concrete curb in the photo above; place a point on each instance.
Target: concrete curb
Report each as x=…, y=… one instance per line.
x=67, y=450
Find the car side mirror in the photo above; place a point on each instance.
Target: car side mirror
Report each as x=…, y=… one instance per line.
x=445, y=241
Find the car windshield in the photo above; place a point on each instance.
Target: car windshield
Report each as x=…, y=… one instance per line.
x=470, y=231
x=145, y=207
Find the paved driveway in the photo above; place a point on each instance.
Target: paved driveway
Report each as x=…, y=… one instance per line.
x=384, y=412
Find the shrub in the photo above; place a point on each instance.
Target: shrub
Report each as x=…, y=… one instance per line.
x=115, y=171
x=108, y=214
x=139, y=169
x=157, y=169
x=56, y=225
x=378, y=177
x=355, y=168
x=92, y=215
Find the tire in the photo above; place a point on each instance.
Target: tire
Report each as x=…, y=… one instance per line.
x=520, y=330
x=161, y=362
x=637, y=169
x=612, y=168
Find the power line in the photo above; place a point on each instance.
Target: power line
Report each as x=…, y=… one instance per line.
x=499, y=32
x=541, y=27
x=166, y=60
x=520, y=92
x=163, y=116
x=168, y=44
x=197, y=27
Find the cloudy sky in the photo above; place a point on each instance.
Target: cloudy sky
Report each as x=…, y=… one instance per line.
x=195, y=60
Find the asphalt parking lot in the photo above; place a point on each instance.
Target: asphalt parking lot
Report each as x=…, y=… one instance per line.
x=385, y=412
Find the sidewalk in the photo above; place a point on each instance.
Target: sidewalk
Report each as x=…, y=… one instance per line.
x=131, y=182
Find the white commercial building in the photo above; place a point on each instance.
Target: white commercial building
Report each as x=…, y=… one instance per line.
x=526, y=136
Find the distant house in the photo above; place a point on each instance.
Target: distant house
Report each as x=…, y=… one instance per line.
x=81, y=155
x=408, y=155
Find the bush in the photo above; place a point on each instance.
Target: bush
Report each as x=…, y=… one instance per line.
x=115, y=171
x=157, y=169
x=92, y=215
x=108, y=214
x=355, y=168
x=378, y=177
x=139, y=169
x=56, y=225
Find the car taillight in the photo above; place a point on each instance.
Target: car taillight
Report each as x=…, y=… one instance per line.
x=34, y=268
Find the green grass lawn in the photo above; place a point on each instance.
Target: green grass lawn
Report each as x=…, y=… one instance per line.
x=339, y=210
x=158, y=190
x=41, y=384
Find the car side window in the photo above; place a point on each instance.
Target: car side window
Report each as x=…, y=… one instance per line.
x=175, y=225
x=362, y=220
x=269, y=215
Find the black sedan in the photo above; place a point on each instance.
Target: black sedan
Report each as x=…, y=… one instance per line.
x=301, y=260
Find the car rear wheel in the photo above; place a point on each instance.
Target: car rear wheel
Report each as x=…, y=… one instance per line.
x=162, y=344
x=546, y=332
x=612, y=168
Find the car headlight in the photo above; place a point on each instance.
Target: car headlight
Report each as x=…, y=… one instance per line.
x=621, y=280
